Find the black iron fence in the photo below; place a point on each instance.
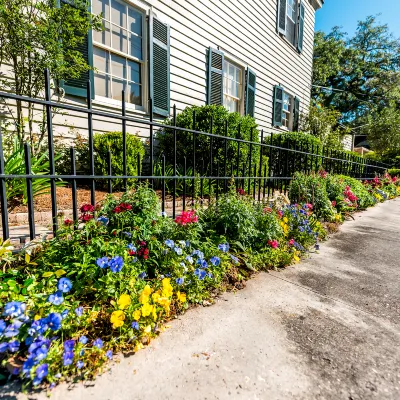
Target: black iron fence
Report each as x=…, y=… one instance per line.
x=267, y=166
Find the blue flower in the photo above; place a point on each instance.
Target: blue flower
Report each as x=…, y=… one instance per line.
x=83, y=339
x=98, y=343
x=142, y=275
x=109, y=354
x=64, y=314
x=103, y=220
x=102, y=262
x=131, y=247
x=200, y=273
x=301, y=229
x=116, y=264
x=170, y=243
x=182, y=243
x=2, y=326
x=3, y=347
x=224, y=247
x=52, y=385
x=135, y=325
x=28, y=364
x=215, y=261
x=189, y=259
x=54, y=321
x=56, y=298
x=80, y=364
x=79, y=311
x=187, y=243
x=65, y=285
x=128, y=234
x=39, y=349
x=13, y=329
x=164, y=214
x=210, y=275
x=180, y=281
x=14, y=346
x=198, y=253
x=38, y=327
x=235, y=259
x=41, y=372
x=68, y=358
x=134, y=259
x=202, y=263
x=29, y=340
x=178, y=251
x=69, y=345
x=14, y=309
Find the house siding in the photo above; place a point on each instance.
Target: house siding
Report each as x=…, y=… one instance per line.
x=244, y=30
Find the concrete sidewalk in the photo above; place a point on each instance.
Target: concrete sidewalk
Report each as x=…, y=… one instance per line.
x=327, y=328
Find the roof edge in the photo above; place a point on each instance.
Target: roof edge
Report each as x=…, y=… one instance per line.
x=317, y=4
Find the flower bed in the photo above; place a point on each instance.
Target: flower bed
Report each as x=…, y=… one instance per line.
x=107, y=283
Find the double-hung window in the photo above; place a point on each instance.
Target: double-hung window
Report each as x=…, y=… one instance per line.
x=286, y=111
x=233, y=87
x=291, y=21
x=118, y=51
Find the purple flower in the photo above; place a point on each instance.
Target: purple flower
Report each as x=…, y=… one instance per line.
x=3, y=347
x=56, y=298
x=40, y=352
x=98, y=343
x=28, y=364
x=180, y=281
x=83, y=339
x=14, y=309
x=68, y=358
x=13, y=346
x=38, y=327
x=42, y=371
x=2, y=326
x=203, y=263
x=65, y=285
x=116, y=264
x=79, y=311
x=80, y=364
x=135, y=325
x=102, y=262
x=109, y=354
x=54, y=321
x=13, y=329
x=69, y=345
x=224, y=247
x=200, y=273
x=215, y=261
x=235, y=259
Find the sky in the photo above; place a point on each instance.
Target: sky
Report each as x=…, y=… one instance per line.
x=346, y=13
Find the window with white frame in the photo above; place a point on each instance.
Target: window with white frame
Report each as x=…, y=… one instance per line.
x=233, y=87
x=118, y=51
x=291, y=20
x=287, y=108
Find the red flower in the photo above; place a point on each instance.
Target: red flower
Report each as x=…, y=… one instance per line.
x=309, y=206
x=86, y=208
x=68, y=222
x=280, y=214
x=322, y=173
x=267, y=209
x=291, y=242
x=86, y=217
x=273, y=243
x=240, y=191
x=333, y=203
x=122, y=207
x=187, y=217
x=131, y=252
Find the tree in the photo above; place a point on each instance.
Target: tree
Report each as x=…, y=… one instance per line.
x=34, y=35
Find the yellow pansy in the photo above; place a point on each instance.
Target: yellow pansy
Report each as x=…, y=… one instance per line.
x=154, y=314
x=138, y=347
x=296, y=258
x=285, y=220
x=181, y=296
x=147, y=329
x=117, y=319
x=124, y=301
x=156, y=296
x=167, y=288
x=136, y=315
x=144, y=296
x=147, y=309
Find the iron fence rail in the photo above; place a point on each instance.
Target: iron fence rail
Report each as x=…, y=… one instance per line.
x=262, y=178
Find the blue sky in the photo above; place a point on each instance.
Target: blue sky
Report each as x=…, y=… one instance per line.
x=346, y=13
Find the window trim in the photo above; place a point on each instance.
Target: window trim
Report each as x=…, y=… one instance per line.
x=104, y=101
x=296, y=28
x=291, y=114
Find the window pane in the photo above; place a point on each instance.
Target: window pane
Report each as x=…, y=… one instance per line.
x=102, y=85
x=118, y=66
x=100, y=59
x=134, y=94
x=103, y=36
x=135, y=46
x=118, y=13
x=133, y=71
x=101, y=7
x=119, y=39
x=117, y=87
x=134, y=21
x=231, y=72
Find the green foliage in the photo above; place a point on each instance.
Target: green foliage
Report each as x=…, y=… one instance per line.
x=394, y=171
x=220, y=117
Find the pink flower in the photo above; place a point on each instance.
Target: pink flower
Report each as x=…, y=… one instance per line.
x=273, y=243
x=187, y=217
x=267, y=209
x=280, y=214
x=86, y=208
x=333, y=203
x=240, y=191
x=309, y=206
x=68, y=222
x=291, y=242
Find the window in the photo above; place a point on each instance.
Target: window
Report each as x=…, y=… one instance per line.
x=118, y=51
x=233, y=87
x=291, y=19
x=287, y=110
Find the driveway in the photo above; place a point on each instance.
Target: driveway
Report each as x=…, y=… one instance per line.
x=327, y=328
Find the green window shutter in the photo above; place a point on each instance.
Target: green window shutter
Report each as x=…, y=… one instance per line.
x=78, y=86
x=215, y=81
x=296, y=114
x=281, y=20
x=159, y=65
x=278, y=106
x=300, y=36
x=250, y=92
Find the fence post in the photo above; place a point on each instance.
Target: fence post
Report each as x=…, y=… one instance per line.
x=151, y=138
x=124, y=168
x=29, y=192
x=194, y=156
x=226, y=157
x=109, y=171
x=175, y=161
x=91, y=150
x=163, y=184
x=3, y=193
x=250, y=159
x=261, y=162
x=270, y=164
x=73, y=182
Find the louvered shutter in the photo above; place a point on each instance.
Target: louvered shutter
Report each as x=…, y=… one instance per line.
x=215, y=82
x=281, y=20
x=296, y=114
x=301, y=27
x=78, y=86
x=250, y=92
x=159, y=66
x=278, y=106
